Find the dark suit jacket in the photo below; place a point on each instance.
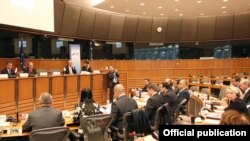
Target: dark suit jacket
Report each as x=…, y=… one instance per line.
x=86, y=69
x=152, y=105
x=111, y=77
x=30, y=73
x=238, y=105
x=5, y=71
x=184, y=94
x=121, y=106
x=43, y=118
x=246, y=98
x=169, y=97
x=67, y=70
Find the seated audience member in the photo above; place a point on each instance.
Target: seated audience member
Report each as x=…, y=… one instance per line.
x=167, y=94
x=236, y=83
x=86, y=67
x=153, y=103
x=234, y=117
x=8, y=70
x=122, y=105
x=44, y=117
x=87, y=102
x=233, y=100
x=170, y=82
x=183, y=93
x=70, y=68
x=146, y=82
x=245, y=87
x=30, y=69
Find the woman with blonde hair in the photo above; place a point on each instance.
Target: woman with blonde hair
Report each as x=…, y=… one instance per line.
x=234, y=117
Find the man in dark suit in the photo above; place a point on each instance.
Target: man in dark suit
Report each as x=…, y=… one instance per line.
x=30, y=69
x=86, y=67
x=146, y=82
x=70, y=68
x=113, y=78
x=122, y=105
x=8, y=70
x=44, y=117
x=245, y=87
x=153, y=103
x=183, y=94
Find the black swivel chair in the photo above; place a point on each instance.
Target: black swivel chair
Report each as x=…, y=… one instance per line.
x=178, y=109
x=96, y=127
x=50, y=134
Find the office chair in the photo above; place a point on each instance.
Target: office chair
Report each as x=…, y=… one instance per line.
x=163, y=116
x=95, y=127
x=50, y=134
x=177, y=111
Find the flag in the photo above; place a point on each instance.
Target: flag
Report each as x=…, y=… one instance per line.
x=22, y=60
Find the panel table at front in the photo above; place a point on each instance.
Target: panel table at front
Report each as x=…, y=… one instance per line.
x=7, y=96
x=42, y=85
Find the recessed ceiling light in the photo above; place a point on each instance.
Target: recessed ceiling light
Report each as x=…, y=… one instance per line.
x=176, y=0
x=112, y=6
x=199, y=1
x=225, y=0
x=142, y=4
x=223, y=7
x=161, y=14
x=144, y=13
x=127, y=10
x=180, y=14
x=160, y=7
x=176, y=10
x=201, y=14
x=224, y=12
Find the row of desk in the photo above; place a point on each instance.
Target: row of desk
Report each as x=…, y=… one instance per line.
x=22, y=94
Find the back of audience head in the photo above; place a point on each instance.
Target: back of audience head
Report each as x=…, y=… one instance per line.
x=86, y=94
x=45, y=99
x=233, y=117
x=152, y=88
x=119, y=90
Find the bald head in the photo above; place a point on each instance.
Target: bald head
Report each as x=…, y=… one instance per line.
x=45, y=99
x=119, y=90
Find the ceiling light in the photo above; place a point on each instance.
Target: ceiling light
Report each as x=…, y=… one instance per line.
x=161, y=14
x=225, y=0
x=127, y=10
x=144, y=13
x=223, y=7
x=176, y=0
x=199, y=1
x=160, y=7
x=112, y=6
x=176, y=10
x=142, y=4
x=201, y=14
x=224, y=12
x=96, y=2
x=180, y=14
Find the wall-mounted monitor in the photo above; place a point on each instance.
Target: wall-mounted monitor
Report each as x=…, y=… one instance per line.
x=59, y=44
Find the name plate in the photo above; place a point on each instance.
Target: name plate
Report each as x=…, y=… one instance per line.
x=3, y=76
x=43, y=74
x=96, y=72
x=56, y=73
x=85, y=72
x=23, y=75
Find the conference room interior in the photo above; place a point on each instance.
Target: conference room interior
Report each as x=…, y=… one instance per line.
x=214, y=47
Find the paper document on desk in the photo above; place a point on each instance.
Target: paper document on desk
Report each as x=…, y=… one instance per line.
x=4, y=124
x=214, y=115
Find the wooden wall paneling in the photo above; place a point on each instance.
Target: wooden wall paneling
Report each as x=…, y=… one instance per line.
x=144, y=29
x=59, y=9
x=86, y=23
x=49, y=64
x=130, y=28
x=189, y=29
x=206, y=27
x=71, y=92
x=85, y=81
x=70, y=20
x=7, y=97
x=25, y=95
x=174, y=28
x=101, y=27
x=241, y=26
x=98, y=89
x=224, y=27
x=116, y=27
x=58, y=91
x=159, y=36
x=42, y=85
